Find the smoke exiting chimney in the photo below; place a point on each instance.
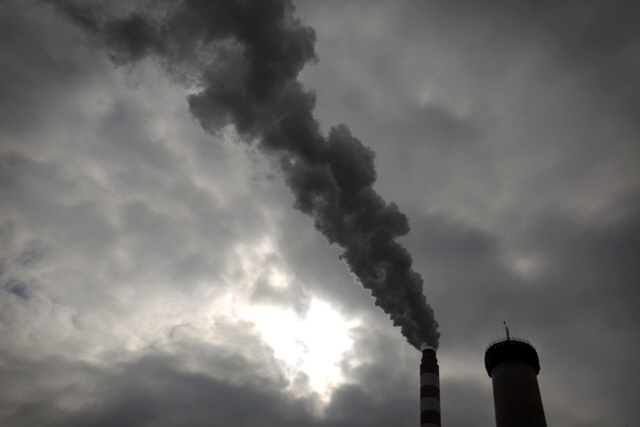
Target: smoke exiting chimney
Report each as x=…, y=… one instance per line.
x=513, y=365
x=242, y=59
x=429, y=389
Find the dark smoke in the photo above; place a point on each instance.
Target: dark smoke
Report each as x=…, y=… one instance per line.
x=244, y=56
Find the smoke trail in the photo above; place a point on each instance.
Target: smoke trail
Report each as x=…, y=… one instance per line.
x=244, y=57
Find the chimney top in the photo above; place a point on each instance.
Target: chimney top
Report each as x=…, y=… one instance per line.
x=511, y=350
x=429, y=354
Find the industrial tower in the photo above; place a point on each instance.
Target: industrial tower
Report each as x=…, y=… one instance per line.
x=429, y=389
x=512, y=364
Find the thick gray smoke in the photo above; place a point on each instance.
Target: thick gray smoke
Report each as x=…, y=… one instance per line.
x=244, y=57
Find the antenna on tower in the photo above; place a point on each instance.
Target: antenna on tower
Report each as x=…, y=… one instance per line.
x=506, y=328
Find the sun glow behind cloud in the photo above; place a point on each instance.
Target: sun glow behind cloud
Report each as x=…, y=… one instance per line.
x=312, y=343
x=309, y=339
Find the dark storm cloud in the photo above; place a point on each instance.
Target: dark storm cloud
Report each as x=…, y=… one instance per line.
x=578, y=266
x=462, y=259
x=438, y=124
x=158, y=389
x=33, y=76
x=593, y=265
x=534, y=100
x=590, y=291
x=164, y=389
x=243, y=59
x=476, y=400
x=600, y=40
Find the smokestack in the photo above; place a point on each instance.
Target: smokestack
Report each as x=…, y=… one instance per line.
x=513, y=365
x=429, y=389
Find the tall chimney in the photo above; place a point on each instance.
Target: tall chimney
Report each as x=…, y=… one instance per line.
x=513, y=365
x=429, y=389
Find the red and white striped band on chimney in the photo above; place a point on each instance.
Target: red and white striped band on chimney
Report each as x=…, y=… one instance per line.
x=429, y=389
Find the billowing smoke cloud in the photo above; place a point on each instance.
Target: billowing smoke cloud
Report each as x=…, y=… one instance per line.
x=243, y=58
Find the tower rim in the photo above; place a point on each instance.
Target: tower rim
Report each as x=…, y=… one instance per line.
x=510, y=350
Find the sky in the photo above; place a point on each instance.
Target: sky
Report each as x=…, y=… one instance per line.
x=213, y=213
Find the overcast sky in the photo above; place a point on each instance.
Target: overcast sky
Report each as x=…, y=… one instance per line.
x=162, y=262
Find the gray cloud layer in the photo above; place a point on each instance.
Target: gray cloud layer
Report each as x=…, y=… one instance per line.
x=244, y=59
x=506, y=131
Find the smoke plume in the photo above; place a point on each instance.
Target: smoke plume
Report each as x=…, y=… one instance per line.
x=243, y=57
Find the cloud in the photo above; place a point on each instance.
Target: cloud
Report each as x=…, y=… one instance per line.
x=442, y=125
x=135, y=246
x=258, y=50
x=193, y=384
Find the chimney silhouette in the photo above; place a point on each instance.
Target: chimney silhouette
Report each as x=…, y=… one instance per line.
x=512, y=363
x=429, y=389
